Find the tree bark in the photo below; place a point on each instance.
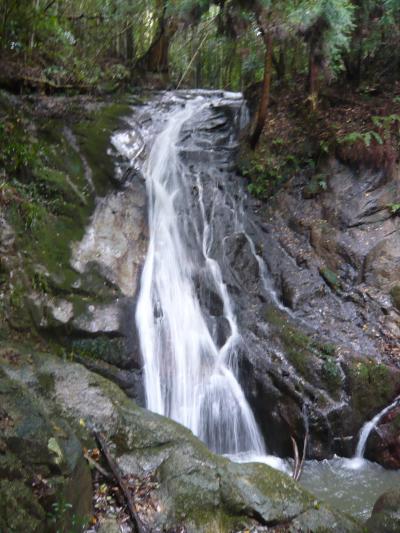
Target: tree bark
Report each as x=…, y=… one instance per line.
x=279, y=63
x=265, y=95
x=313, y=77
x=129, y=47
x=156, y=57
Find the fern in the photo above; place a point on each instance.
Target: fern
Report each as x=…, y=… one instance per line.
x=366, y=137
x=352, y=137
x=385, y=122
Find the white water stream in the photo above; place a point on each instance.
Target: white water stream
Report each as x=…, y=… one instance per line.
x=358, y=460
x=187, y=376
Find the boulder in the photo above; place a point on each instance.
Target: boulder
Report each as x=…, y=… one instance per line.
x=194, y=489
x=385, y=517
x=44, y=475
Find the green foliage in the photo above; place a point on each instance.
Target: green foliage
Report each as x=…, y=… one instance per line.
x=335, y=17
x=264, y=174
x=40, y=282
x=61, y=520
x=94, y=44
x=331, y=373
x=16, y=150
x=394, y=208
x=388, y=123
x=366, y=137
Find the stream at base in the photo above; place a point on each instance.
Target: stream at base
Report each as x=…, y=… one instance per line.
x=351, y=485
x=353, y=491
x=190, y=334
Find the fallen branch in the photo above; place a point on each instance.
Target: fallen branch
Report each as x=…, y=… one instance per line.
x=299, y=464
x=303, y=458
x=138, y=527
x=96, y=465
x=296, y=458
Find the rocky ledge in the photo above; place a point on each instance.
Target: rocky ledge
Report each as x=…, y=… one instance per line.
x=49, y=411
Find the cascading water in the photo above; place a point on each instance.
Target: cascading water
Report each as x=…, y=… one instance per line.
x=188, y=376
x=358, y=460
x=193, y=304
x=369, y=426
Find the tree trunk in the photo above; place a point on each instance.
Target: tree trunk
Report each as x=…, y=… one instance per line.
x=156, y=57
x=279, y=63
x=36, y=5
x=129, y=47
x=266, y=88
x=313, y=78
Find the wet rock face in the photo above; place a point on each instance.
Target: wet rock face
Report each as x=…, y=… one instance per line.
x=115, y=239
x=313, y=278
x=333, y=259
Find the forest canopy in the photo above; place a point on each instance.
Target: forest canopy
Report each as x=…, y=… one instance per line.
x=220, y=43
x=102, y=46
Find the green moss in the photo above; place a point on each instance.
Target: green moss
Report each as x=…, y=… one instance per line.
x=331, y=375
x=312, y=359
x=94, y=140
x=19, y=508
x=111, y=350
x=46, y=384
x=395, y=294
x=372, y=386
x=327, y=349
x=297, y=345
x=315, y=186
x=331, y=278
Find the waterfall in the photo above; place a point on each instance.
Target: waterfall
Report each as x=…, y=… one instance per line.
x=358, y=459
x=188, y=375
x=369, y=426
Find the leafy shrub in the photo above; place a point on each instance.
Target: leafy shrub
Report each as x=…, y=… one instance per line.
x=118, y=72
x=16, y=151
x=394, y=208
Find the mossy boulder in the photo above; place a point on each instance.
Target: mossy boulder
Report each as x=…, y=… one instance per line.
x=69, y=181
x=385, y=517
x=20, y=510
x=194, y=489
x=42, y=461
x=372, y=386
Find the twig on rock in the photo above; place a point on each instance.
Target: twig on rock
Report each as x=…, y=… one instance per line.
x=121, y=482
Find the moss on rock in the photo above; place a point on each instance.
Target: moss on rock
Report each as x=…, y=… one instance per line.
x=331, y=278
x=395, y=294
x=19, y=508
x=314, y=360
x=194, y=488
x=38, y=448
x=372, y=386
